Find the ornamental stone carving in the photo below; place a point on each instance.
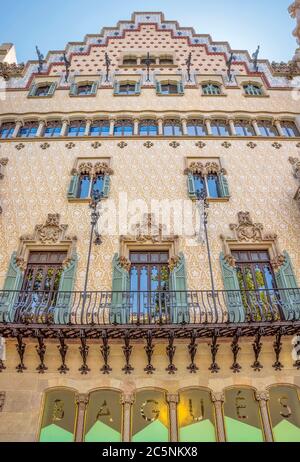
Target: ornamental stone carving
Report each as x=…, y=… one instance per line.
x=295, y=161
x=250, y=234
x=3, y=162
x=294, y=10
x=89, y=168
x=50, y=234
x=209, y=168
x=2, y=400
x=11, y=70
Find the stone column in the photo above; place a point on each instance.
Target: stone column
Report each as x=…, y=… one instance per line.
x=136, y=127
x=19, y=124
x=173, y=399
x=256, y=128
x=263, y=397
x=160, y=126
x=82, y=400
x=127, y=401
x=232, y=127
x=111, y=127
x=64, y=127
x=88, y=124
x=208, y=126
x=42, y=124
x=184, y=126
x=218, y=400
x=278, y=127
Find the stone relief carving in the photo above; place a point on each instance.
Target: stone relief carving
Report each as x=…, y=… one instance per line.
x=198, y=168
x=295, y=161
x=248, y=233
x=52, y=232
x=11, y=70
x=3, y=162
x=90, y=168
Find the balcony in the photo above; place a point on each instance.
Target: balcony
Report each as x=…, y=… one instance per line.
x=145, y=316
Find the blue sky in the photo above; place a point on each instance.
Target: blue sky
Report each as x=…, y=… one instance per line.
x=244, y=24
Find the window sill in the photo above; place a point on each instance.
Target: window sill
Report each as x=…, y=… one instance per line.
x=256, y=96
x=214, y=96
x=39, y=97
x=214, y=199
x=83, y=96
x=176, y=94
x=135, y=94
x=77, y=200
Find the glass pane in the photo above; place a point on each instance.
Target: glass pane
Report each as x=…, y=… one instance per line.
x=196, y=419
x=168, y=130
x=199, y=183
x=213, y=186
x=154, y=278
x=103, y=421
x=58, y=423
x=242, y=416
x=84, y=187
x=98, y=184
x=150, y=417
x=284, y=409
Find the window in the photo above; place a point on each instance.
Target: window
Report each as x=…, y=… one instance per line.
x=244, y=128
x=220, y=128
x=253, y=90
x=87, y=185
x=211, y=89
x=209, y=183
x=289, y=129
x=7, y=130
x=29, y=130
x=53, y=128
x=89, y=177
x=145, y=59
x=123, y=128
x=76, y=128
x=148, y=128
x=83, y=89
x=196, y=128
x=267, y=128
x=284, y=411
x=100, y=128
x=208, y=177
x=42, y=89
x=172, y=128
x=127, y=89
x=130, y=61
x=169, y=89
x=166, y=61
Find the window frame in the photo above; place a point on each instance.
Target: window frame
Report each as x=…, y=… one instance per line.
x=211, y=85
x=256, y=89
x=10, y=130
x=30, y=126
x=79, y=132
x=123, y=123
x=172, y=123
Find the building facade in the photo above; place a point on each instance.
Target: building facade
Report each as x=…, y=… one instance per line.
x=149, y=240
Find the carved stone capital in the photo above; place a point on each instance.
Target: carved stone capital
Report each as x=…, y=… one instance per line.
x=127, y=398
x=82, y=399
x=262, y=395
x=125, y=263
x=218, y=397
x=173, y=398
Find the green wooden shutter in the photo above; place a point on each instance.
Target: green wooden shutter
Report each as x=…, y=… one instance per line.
x=233, y=296
x=52, y=89
x=12, y=284
x=94, y=88
x=106, y=186
x=138, y=88
x=158, y=87
x=73, y=89
x=180, y=88
x=117, y=88
x=224, y=187
x=120, y=302
x=290, y=299
x=191, y=186
x=63, y=304
x=32, y=90
x=73, y=187
x=178, y=287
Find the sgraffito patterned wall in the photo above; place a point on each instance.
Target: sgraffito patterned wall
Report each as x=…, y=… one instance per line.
x=260, y=181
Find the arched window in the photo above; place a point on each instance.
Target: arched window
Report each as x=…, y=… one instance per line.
x=148, y=127
x=242, y=416
x=289, y=129
x=199, y=183
x=59, y=416
x=169, y=88
x=267, y=128
x=150, y=417
x=196, y=416
x=76, y=128
x=84, y=185
x=123, y=128
x=220, y=128
x=103, y=421
x=284, y=409
x=172, y=127
x=196, y=128
x=100, y=128
x=253, y=90
x=129, y=61
x=53, y=128
x=7, y=130
x=244, y=128
x=211, y=89
x=29, y=130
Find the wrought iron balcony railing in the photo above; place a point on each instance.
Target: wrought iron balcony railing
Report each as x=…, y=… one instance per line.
x=143, y=308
